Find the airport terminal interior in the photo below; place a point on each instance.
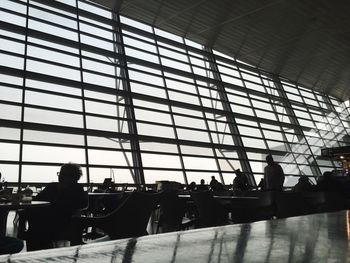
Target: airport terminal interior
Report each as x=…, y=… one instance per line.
x=145, y=93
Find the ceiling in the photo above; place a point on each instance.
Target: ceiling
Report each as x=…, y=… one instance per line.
x=306, y=41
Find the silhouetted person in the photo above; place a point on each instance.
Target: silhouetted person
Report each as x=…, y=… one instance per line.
x=213, y=183
x=273, y=175
x=192, y=186
x=219, y=187
x=10, y=245
x=202, y=186
x=240, y=183
x=261, y=184
x=303, y=185
x=66, y=198
x=327, y=182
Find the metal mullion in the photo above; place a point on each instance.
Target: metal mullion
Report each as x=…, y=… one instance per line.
x=137, y=31
x=206, y=120
x=172, y=70
x=49, y=108
x=213, y=106
x=110, y=166
x=68, y=96
x=180, y=104
x=52, y=24
x=63, y=129
x=149, y=138
x=198, y=53
x=294, y=119
x=10, y=38
x=337, y=116
x=135, y=144
x=331, y=106
x=311, y=119
x=253, y=109
x=20, y=159
x=52, y=79
x=242, y=154
x=174, y=126
x=98, y=18
x=281, y=130
x=14, y=12
x=54, y=49
x=82, y=94
x=121, y=121
x=53, y=63
x=63, y=41
x=70, y=9
x=137, y=38
x=55, y=93
x=182, y=115
x=111, y=22
x=55, y=4
x=100, y=61
x=54, y=144
x=98, y=37
x=107, y=116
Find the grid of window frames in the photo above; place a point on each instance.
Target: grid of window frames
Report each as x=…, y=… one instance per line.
x=124, y=99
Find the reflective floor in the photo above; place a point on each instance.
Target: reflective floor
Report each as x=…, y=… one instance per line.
x=313, y=238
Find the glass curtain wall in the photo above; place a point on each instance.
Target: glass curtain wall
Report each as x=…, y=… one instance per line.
x=130, y=101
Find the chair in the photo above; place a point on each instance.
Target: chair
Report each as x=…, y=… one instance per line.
x=48, y=227
x=261, y=209
x=130, y=219
x=210, y=212
x=315, y=200
x=290, y=204
x=172, y=211
x=334, y=201
x=104, y=204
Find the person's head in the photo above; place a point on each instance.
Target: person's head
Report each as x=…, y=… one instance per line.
x=238, y=172
x=212, y=177
x=69, y=173
x=327, y=174
x=303, y=179
x=269, y=159
x=202, y=181
x=192, y=186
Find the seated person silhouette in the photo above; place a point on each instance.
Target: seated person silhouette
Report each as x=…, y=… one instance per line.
x=261, y=184
x=240, y=183
x=303, y=185
x=66, y=197
x=327, y=182
x=191, y=187
x=202, y=186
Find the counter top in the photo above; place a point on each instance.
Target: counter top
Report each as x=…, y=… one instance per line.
x=312, y=238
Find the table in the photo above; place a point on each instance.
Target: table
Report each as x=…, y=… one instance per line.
x=5, y=207
x=224, y=197
x=97, y=194
x=312, y=238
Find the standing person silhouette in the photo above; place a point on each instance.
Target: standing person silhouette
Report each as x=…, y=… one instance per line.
x=202, y=186
x=213, y=183
x=273, y=175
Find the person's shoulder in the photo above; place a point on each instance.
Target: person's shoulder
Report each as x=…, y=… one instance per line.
x=75, y=186
x=78, y=187
x=52, y=186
